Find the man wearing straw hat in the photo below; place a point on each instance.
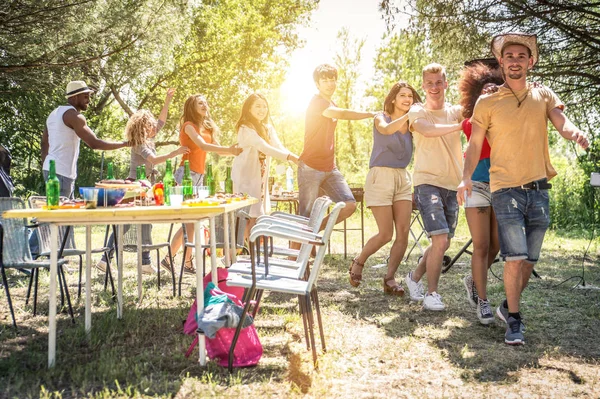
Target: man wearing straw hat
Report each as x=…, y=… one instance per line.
x=64, y=129
x=514, y=120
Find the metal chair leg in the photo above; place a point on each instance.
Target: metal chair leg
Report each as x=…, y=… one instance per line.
x=182, y=266
x=62, y=273
x=10, y=306
x=157, y=268
x=79, y=282
x=172, y=270
x=238, y=330
x=29, y=287
x=315, y=298
x=302, y=308
x=35, y=289
x=311, y=329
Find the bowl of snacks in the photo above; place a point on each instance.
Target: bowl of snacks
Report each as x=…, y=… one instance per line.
x=113, y=196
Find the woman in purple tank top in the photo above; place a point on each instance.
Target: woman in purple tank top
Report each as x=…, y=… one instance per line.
x=388, y=189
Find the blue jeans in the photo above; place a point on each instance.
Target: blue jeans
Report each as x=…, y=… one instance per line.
x=523, y=218
x=439, y=209
x=311, y=181
x=67, y=186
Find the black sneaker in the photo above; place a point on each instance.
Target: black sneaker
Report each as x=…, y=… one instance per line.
x=514, y=332
x=502, y=314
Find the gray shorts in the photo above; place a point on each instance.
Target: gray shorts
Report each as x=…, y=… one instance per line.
x=481, y=197
x=67, y=186
x=439, y=209
x=313, y=183
x=197, y=178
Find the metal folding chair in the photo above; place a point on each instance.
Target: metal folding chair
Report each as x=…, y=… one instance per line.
x=15, y=253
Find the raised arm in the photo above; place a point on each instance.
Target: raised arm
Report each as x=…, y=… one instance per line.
x=428, y=129
x=199, y=141
x=390, y=128
x=164, y=112
x=346, y=114
x=77, y=122
x=567, y=129
x=471, y=159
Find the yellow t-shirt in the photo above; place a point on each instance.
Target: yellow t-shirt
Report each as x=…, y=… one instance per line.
x=518, y=136
x=438, y=160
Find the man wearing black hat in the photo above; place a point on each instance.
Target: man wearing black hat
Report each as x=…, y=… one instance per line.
x=514, y=120
x=65, y=127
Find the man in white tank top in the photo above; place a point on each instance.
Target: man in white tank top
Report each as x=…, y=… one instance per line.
x=65, y=128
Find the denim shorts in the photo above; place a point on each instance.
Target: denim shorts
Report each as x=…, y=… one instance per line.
x=439, y=209
x=313, y=183
x=523, y=218
x=481, y=197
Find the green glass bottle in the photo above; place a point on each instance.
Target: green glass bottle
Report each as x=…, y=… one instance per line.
x=141, y=172
x=187, y=182
x=210, y=181
x=168, y=182
x=52, y=187
x=110, y=175
x=229, y=182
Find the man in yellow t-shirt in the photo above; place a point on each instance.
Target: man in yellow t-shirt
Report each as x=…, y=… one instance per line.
x=515, y=121
x=438, y=169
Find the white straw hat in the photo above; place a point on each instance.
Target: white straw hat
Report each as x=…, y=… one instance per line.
x=77, y=87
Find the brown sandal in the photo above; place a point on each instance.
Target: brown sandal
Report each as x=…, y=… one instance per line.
x=355, y=278
x=395, y=290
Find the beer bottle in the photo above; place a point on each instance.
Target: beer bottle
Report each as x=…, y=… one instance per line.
x=229, y=182
x=187, y=183
x=110, y=175
x=141, y=172
x=168, y=182
x=52, y=187
x=210, y=181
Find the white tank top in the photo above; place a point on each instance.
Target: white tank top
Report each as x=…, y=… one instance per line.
x=63, y=144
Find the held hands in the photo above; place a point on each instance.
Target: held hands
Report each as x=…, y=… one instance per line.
x=464, y=190
x=235, y=150
x=293, y=158
x=580, y=138
x=181, y=150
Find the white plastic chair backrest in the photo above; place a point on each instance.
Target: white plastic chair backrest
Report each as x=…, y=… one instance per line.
x=322, y=249
x=317, y=214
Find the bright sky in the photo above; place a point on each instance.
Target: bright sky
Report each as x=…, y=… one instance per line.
x=363, y=20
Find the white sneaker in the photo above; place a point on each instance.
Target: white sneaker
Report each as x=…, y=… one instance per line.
x=415, y=290
x=101, y=265
x=148, y=269
x=433, y=301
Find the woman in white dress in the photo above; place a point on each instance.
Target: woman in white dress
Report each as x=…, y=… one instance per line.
x=259, y=141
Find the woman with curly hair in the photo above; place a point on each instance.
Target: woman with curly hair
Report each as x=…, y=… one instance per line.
x=475, y=79
x=140, y=131
x=388, y=188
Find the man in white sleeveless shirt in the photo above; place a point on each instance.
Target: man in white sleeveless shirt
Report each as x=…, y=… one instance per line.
x=65, y=127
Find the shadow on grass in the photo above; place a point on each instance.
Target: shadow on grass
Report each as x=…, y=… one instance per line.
x=141, y=353
x=560, y=321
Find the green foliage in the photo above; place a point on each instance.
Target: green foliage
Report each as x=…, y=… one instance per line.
x=132, y=51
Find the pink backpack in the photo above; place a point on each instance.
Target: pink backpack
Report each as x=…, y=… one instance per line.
x=248, y=349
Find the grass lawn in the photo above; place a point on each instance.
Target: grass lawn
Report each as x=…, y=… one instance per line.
x=378, y=346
